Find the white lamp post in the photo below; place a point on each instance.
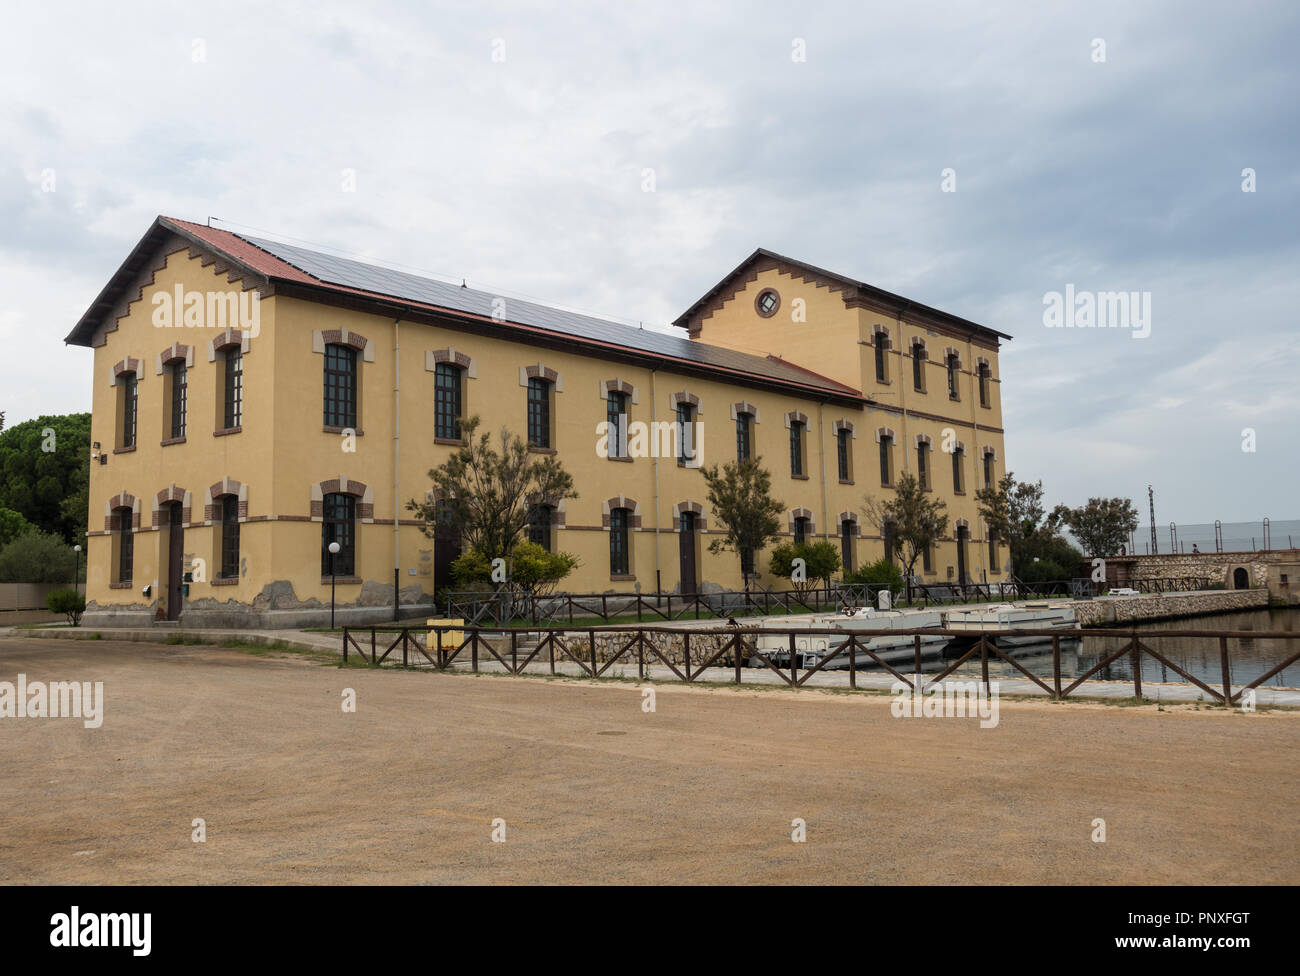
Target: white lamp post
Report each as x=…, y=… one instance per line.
x=334, y=548
x=76, y=573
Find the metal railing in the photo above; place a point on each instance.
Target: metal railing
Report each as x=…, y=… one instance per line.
x=733, y=650
x=505, y=606
x=1074, y=589
x=502, y=607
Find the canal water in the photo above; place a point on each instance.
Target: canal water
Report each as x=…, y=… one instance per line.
x=1248, y=658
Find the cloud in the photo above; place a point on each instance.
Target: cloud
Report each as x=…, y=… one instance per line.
x=526, y=175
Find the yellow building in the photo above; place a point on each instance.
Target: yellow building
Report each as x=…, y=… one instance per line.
x=254, y=401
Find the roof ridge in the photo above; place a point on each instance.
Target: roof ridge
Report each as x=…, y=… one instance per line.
x=312, y=270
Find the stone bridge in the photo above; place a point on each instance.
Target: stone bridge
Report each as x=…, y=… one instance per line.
x=1277, y=570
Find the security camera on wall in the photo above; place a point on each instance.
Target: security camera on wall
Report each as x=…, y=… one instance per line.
x=146, y=590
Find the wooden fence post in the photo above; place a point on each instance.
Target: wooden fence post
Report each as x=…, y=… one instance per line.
x=1223, y=664
x=1056, y=665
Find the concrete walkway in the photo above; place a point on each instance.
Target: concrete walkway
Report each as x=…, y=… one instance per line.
x=880, y=680
x=299, y=640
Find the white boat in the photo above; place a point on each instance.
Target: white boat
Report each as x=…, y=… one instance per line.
x=1009, y=616
x=812, y=648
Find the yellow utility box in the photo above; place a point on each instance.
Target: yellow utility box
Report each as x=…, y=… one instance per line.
x=450, y=638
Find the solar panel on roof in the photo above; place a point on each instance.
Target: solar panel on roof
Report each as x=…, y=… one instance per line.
x=410, y=287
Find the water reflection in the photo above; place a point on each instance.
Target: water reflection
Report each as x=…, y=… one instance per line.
x=1248, y=657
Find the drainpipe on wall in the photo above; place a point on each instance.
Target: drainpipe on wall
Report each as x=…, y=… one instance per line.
x=397, y=466
x=975, y=429
x=654, y=417
x=821, y=447
x=902, y=398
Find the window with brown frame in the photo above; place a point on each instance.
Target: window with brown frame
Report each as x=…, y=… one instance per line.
x=130, y=408
x=539, y=525
x=844, y=454
x=340, y=386
x=802, y=527
x=685, y=433
x=447, y=403
x=229, y=537
x=178, y=376
x=744, y=436
x=539, y=412
x=233, y=387
x=122, y=522
x=338, y=525
x=796, y=448
x=616, y=423
x=618, y=542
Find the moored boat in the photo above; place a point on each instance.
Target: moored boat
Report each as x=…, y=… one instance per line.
x=872, y=628
x=1009, y=616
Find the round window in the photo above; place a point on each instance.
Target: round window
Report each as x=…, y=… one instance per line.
x=767, y=302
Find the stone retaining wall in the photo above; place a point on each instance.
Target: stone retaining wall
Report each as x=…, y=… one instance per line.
x=1119, y=610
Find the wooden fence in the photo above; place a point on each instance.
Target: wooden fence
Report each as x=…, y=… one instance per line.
x=738, y=649
x=28, y=596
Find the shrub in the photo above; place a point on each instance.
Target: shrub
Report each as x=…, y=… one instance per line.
x=879, y=574
x=70, y=603
x=37, y=557
x=536, y=569
x=471, y=567
x=533, y=569
x=1043, y=571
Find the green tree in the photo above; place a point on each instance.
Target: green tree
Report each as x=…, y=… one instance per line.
x=1102, y=526
x=1014, y=510
x=43, y=464
x=916, y=519
x=12, y=525
x=821, y=562
x=485, y=492
x=37, y=557
x=740, y=496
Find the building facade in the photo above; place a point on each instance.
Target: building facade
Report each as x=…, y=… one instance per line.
x=255, y=401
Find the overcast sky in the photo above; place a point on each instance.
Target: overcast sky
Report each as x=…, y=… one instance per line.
x=509, y=144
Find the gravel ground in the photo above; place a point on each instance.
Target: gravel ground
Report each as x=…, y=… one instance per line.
x=594, y=789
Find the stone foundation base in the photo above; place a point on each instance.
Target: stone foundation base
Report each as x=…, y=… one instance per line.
x=251, y=619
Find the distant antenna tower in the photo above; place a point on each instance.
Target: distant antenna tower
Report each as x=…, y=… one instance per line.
x=1151, y=499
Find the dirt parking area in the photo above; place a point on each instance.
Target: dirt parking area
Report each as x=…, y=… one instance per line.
x=592, y=788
